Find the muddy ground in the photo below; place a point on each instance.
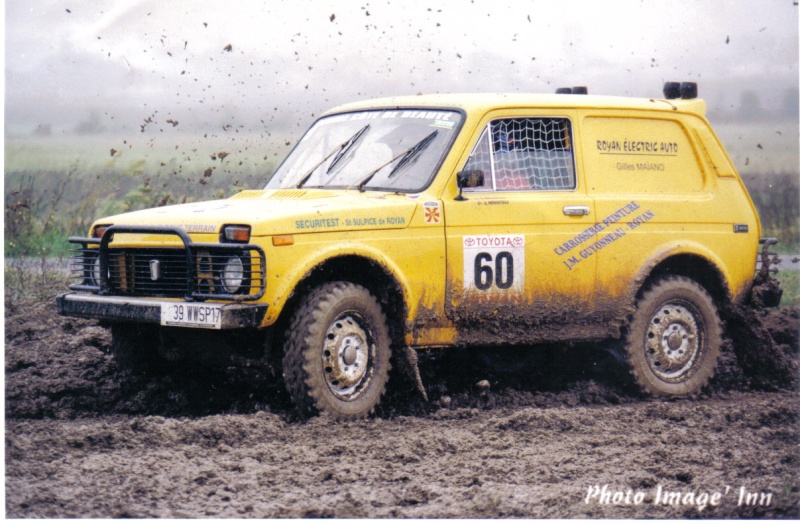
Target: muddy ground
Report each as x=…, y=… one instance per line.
x=85, y=440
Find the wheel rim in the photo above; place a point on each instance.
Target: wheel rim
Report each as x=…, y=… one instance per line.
x=346, y=356
x=674, y=341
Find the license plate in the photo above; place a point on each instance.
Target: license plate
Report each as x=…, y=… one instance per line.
x=191, y=315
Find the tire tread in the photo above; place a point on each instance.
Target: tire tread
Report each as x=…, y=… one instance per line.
x=713, y=337
x=307, y=326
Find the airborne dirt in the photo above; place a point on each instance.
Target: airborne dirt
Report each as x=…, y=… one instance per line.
x=84, y=440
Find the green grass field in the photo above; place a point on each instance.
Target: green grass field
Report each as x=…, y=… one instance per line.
x=55, y=188
x=777, y=199
x=790, y=282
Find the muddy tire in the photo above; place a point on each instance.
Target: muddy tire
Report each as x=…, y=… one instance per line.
x=337, y=352
x=135, y=347
x=673, y=341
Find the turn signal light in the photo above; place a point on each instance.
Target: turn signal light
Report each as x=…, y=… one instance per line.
x=99, y=231
x=236, y=234
x=283, y=240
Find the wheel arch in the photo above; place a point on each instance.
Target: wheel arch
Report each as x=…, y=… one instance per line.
x=376, y=274
x=695, y=263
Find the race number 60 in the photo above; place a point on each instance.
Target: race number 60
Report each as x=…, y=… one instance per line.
x=501, y=273
x=494, y=263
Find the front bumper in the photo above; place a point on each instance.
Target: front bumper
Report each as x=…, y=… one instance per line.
x=134, y=309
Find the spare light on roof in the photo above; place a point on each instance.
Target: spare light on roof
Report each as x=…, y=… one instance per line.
x=672, y=90
x=577, y=90
x=685, y=90
x=688, y=90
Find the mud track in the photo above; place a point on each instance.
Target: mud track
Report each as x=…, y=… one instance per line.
x=84, y=440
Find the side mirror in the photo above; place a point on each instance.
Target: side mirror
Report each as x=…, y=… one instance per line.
x=470, y=178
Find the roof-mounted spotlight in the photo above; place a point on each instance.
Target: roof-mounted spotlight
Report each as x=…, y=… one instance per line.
x=688, y=90
x=580, y=90
x=672, y=90
x=564, y=91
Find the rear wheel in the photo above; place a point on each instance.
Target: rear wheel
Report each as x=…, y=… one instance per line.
x=337, y=352
x=674, y=339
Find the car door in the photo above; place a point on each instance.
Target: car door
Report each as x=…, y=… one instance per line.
x=515, y=272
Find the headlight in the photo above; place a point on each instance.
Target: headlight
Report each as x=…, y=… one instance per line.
x=233, y=275
x=96, y=271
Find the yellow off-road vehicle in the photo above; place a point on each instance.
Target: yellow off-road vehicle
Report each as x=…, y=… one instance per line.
x=446, y=221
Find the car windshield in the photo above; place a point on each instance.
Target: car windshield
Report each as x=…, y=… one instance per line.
x=394, y=150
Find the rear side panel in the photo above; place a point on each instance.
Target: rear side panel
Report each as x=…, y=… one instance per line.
x=657, y=194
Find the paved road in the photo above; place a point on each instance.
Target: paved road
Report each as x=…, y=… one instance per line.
x=786, y=262
x=37, y=264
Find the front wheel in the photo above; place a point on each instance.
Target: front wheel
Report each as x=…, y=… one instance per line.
x=337, y=352
x=674, y=338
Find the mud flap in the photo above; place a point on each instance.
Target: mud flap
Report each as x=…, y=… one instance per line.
x=766, y=290
x=408, y=362
x=756, y=352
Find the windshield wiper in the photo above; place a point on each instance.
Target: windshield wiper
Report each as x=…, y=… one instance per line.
x=346, y=147
x=404, y=157
x=342, y=148
x=413, y=151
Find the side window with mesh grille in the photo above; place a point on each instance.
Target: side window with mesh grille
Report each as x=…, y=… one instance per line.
x=525, y=154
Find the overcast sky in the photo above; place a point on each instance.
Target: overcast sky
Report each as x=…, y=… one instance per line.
x=269, y=64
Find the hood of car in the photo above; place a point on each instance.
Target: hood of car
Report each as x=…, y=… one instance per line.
x=285, y=211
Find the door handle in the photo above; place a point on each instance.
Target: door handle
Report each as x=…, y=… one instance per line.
x=573, y=211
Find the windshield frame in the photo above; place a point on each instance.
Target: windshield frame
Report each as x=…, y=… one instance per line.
x=446, y=149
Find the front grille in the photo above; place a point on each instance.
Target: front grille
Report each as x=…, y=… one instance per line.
x=129, y=272
x=196, y=271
